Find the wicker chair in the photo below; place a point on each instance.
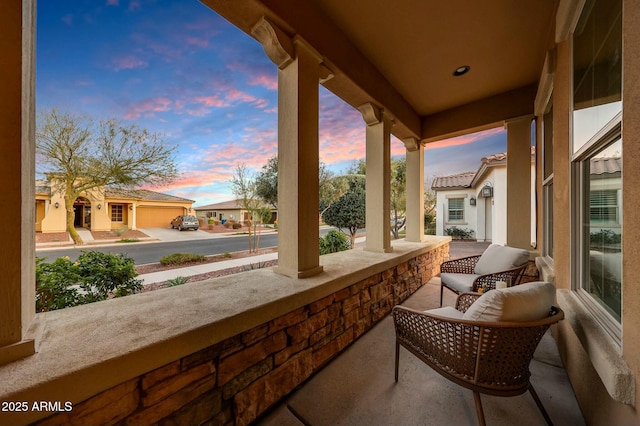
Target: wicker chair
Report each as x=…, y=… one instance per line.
x=472, y=353
x=497, y=263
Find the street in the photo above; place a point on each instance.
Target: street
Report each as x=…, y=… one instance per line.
x=143, y=253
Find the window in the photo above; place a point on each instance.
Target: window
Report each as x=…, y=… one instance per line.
x=604, y=206
x=597, y=162
x=116, y=213
x=600, y=177
x=597, y=69
x=547, y=182
x=456, y=209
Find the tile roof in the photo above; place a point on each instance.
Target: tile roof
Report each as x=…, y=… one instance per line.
x=225, y=205
x=606, y=165
x=461, y=180
x=143, y=194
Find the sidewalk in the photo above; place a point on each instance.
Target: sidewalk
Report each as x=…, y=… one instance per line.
x=169, y=274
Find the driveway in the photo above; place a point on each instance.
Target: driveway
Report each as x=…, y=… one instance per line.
x=168, y=234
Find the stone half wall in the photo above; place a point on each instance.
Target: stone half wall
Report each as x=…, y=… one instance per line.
x=238, y=379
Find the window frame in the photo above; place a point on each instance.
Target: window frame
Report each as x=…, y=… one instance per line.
x=580, y=193
x=114, y=213
x=461, y=209
x=547, y=183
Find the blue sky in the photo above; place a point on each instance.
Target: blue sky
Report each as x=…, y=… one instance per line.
x=176, y=68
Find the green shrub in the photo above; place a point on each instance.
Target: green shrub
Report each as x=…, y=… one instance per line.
x=54, y=284
x=211, y=221
x=458, y=233
x=95, y=276
x=181, y=258
x=121, y=231
x=334, y=241
x=128, y=240
x=178, y=281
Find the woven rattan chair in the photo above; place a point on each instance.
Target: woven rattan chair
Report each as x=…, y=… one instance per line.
x=472, y=353
x=497, y=263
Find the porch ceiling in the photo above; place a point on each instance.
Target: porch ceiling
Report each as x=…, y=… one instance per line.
x=401, y=54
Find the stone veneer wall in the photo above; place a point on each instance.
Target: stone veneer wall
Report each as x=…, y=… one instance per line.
x=238, y=379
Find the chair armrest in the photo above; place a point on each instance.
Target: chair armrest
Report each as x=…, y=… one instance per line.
x=512, y=276
x=464, y=265
x=465, y=300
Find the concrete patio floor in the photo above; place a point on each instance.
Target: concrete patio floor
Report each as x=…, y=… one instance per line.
x=358, y=387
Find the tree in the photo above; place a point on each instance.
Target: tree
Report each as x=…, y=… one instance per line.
x=267, y=182
x=349, y=210
x=357, y=167
x=83, y=155
x=398, y=195
x=244, y=188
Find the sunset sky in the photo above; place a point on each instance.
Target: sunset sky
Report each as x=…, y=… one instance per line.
x=177, y=68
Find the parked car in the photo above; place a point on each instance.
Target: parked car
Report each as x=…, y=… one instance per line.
x=185, y=222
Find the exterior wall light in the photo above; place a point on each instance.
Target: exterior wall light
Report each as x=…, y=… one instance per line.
x=461, y=70
x=99, y=206
x=487, y=191
x=56, y=205
x=130, y=206
x=472, y=201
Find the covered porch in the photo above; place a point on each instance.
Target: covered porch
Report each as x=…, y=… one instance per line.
x=189, y=355
x=358, y=387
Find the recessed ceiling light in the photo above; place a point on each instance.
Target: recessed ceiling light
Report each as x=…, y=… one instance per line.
x=461, y=70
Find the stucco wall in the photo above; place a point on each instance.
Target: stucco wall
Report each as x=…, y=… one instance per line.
x=579, y=347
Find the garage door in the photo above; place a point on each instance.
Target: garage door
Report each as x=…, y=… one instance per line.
x=156, y=217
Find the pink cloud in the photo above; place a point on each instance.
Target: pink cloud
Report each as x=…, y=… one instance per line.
x=465, y=139
x=148, y=108
x=113, y=2
x=268, y=81
x=128, y=62
x=210, y=101
x=199, y=42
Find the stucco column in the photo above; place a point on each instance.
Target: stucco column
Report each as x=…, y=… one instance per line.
x=415, y=190
x=519, y=182
x=134, y=219
x=378, y=181
x=17, y=133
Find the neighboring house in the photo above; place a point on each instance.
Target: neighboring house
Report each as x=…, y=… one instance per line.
x=228, y=210
x=105, y=209
x=477, y=201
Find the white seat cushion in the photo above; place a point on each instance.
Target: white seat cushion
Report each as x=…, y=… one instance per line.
x=497, y=258
x=458, y=282
x=524, y=302
x=446, y=311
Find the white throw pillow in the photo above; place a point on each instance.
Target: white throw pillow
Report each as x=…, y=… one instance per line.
x=524, y=302
x=497, y=258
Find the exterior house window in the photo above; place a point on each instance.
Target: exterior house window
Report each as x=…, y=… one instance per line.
x=547, y=182
x=604, y=206
x=597, y=162
x=456, y=210
x=116, y=213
